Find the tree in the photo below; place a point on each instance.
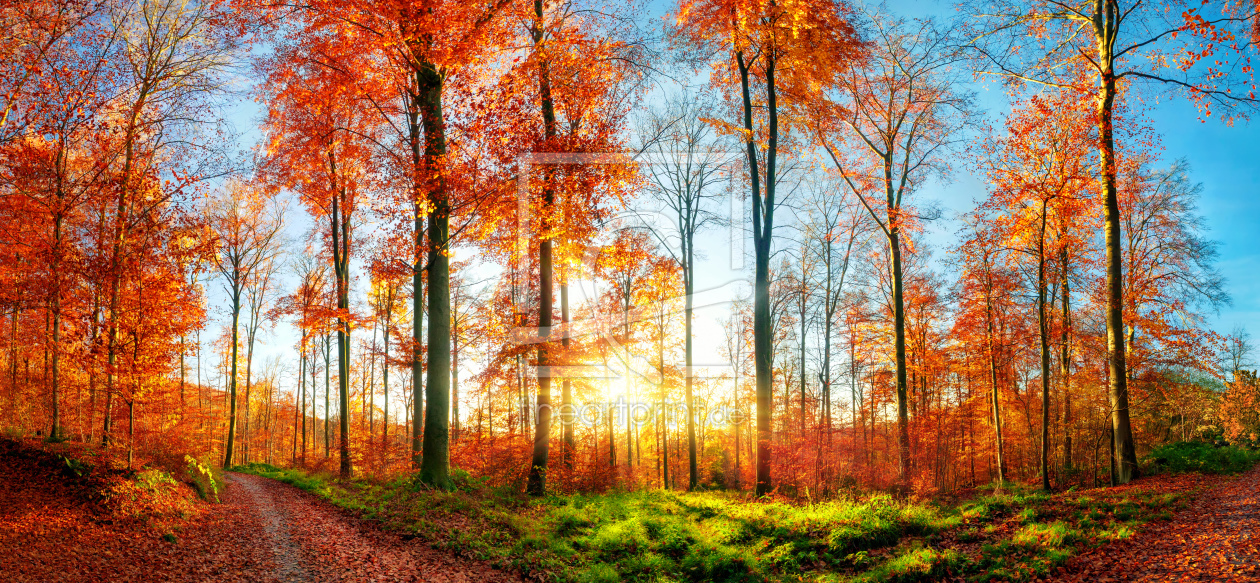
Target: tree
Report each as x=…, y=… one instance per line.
x=171, y=59
x=1169, y=266
x=257, y=291
x=760, y=57
x=985, y=297
x=1196, y=49
x=583, y=81
x=305, y=304
x=1238, y=350
x=686, y=164
x=1039, y=168
x=835, y=232
x=247, y=225
x=887, y=127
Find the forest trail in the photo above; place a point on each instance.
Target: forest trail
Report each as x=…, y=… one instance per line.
x=1217, y=538
x=53, y=530
x=310, y=540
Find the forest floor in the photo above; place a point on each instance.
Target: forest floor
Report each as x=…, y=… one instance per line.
x=55, y=525
x=1216, y=538
x=55, y=528
x=1185, y=526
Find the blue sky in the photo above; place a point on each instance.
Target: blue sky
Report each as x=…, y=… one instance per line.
x=1227, y=161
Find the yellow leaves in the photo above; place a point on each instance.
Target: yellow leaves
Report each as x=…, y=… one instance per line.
x=726, y=128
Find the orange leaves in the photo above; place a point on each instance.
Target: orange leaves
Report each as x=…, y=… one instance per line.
x=803, y=43
x=1046, y=158
x=1212, y=540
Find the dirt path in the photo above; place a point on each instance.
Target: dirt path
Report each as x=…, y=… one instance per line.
x=1217, y=538
x=287, y=567
x=313, y=541
x=262, y=532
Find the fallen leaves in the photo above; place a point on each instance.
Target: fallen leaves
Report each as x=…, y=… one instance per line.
x=1217, y=538
x=52, y=528
x=321, y=543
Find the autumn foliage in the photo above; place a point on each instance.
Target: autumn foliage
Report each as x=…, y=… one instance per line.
x=441, y=257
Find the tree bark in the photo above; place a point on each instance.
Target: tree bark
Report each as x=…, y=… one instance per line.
x=993, y=375
x=231, y=436
x=435, y=458
x=536, y=485
x=566, y=388
x=899, y=326
x=341, y=270
x=1065, y=360
x=1106, y=26
x=1043, y=328
x=763, y=226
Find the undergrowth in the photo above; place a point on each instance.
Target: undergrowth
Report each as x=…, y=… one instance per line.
x=1203, y=457
x=157, y=493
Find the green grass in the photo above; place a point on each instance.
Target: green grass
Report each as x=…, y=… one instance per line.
x=1015, y=533
x=639, y=536
x=311, y=483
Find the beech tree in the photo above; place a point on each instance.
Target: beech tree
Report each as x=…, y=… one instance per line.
x=887, y=127
x=247, y=225
x=686, y=166
x=1127, y=51
x=582, y=80
x=835, y=232
x=1040, y=176
x=761, y=62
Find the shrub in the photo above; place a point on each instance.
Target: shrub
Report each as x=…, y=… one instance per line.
x=201, y=477
x=1198, y=456
x=154, y=480
x=75, y=467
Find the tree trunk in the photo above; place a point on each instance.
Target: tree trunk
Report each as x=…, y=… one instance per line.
x=993, y=377
x=689, y=289
x=1106, y=23
x=327, y=396
x=417, y=276
x=1043, y=327
x=341, y=270
x=1065, y=361
x=300, y=402
x=435, y=458
x=389, y=313
x=566, y=389
x=763, y=226
x=899, y=327
x=455, y=372
x=537, y=485
x=55, y=432
x=236, y=314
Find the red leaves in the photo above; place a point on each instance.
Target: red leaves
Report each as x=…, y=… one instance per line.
x=1216, y=539
x=312, y=541
x=263, y=531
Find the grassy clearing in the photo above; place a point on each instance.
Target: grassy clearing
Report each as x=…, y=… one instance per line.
x=1014, y=534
